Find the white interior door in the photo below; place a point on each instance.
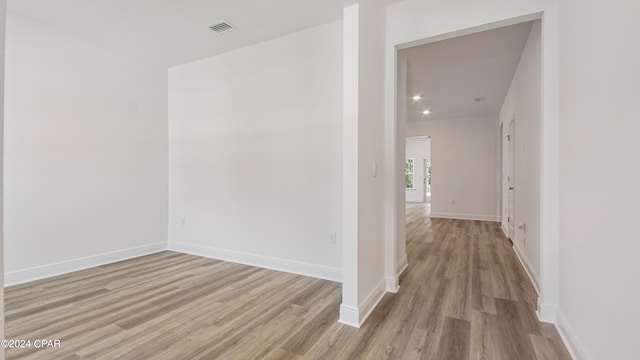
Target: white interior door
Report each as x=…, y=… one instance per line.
x=511, y=139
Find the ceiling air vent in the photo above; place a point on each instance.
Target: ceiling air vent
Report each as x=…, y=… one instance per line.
x=222, y=27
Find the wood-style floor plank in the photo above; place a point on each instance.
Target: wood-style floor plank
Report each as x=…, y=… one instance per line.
x=464, y=296
x=455, y=340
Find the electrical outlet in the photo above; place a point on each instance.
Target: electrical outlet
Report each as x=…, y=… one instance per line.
x=333, y=238
x=453, y=202
x=183, y=222
x=523, y=227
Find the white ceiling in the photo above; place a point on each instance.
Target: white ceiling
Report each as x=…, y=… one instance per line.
x=173, y=32
x=450, y=74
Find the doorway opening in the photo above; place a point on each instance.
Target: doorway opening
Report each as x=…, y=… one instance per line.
x=461, y=90
x=537, y=138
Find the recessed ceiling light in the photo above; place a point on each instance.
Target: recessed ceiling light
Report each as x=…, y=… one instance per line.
x=426, y=112
x=416, y=97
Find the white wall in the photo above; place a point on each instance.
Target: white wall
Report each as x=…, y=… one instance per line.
x=523, y=103
x=463, y=166
x=85, y=153
x=418, y=149
x=255, y=145
x=3, y=7
x=349, y=311
x=395, y=193
x=600, y=197
x=364, y=253
x=371, y=257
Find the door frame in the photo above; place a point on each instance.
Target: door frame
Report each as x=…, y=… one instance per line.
x=511, y=179
x=406, y=34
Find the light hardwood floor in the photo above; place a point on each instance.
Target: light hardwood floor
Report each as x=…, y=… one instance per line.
x=464, y=296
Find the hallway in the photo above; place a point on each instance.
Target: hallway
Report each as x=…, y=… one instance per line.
x=466, y=296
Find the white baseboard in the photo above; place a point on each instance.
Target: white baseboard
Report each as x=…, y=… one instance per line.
x=355, y=317
x=349, y=316
x=294, y=267
x=371, y=301
x=528, y=268
x=41, y=272
x=576, y=350
x=464, y=216
x=504, y=231
x=393, y=284
x=402, y=265
x=547, y=313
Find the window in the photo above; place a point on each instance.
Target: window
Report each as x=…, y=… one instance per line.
x=427, y=176
x=408, y=174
